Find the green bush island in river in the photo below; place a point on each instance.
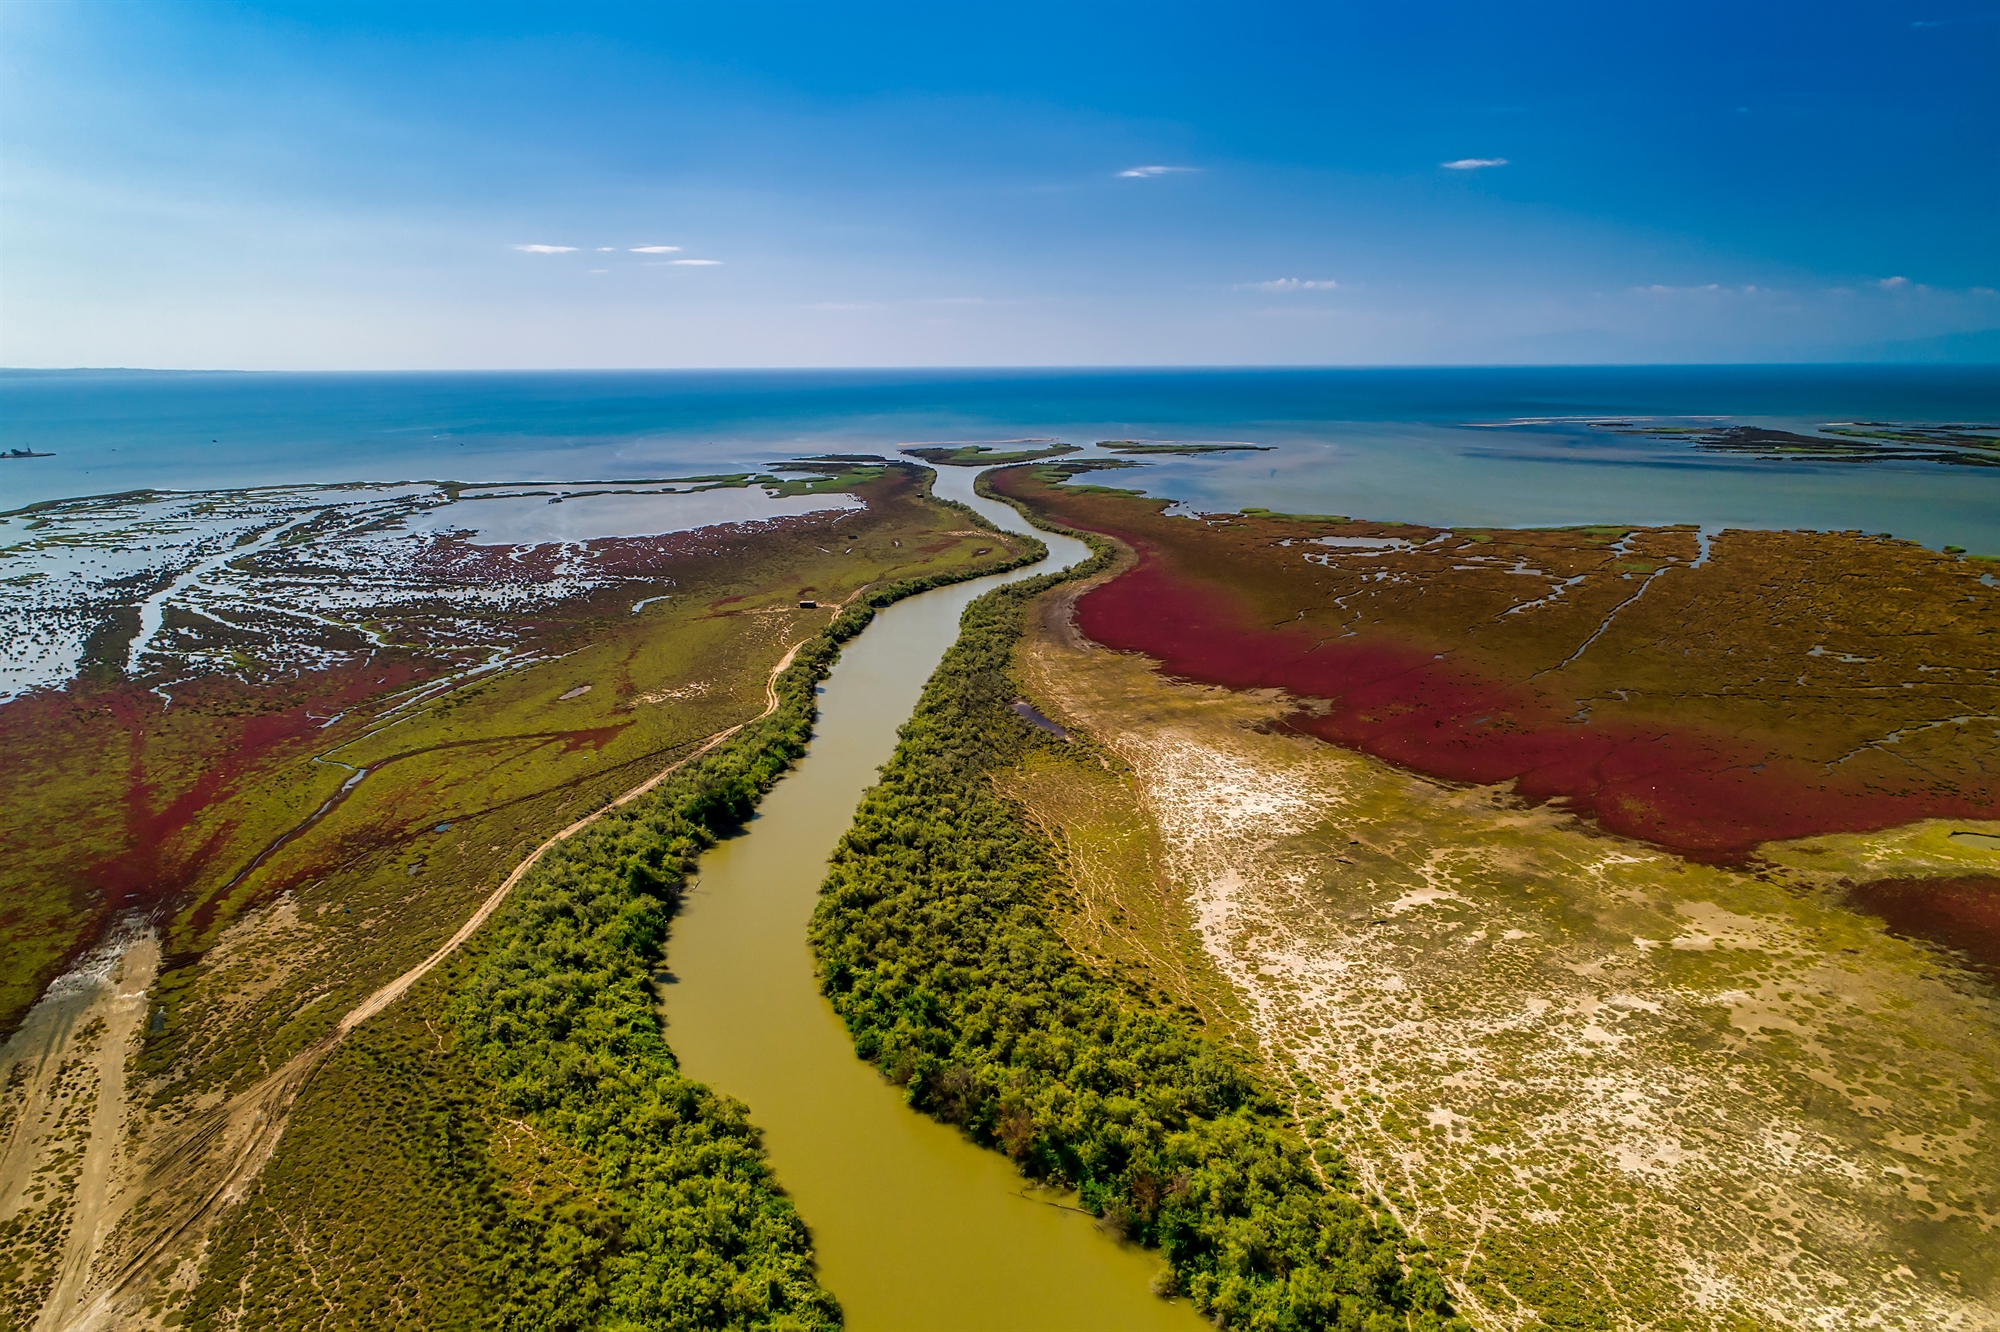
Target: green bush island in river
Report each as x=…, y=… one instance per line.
x=937, y=949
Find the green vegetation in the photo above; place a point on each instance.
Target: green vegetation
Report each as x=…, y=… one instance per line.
x=937, y=946
x=514, y=1142
x=1120, y=912
x=595, y=1187
x=1252, y=511
x=985, y=455
x=827, y=475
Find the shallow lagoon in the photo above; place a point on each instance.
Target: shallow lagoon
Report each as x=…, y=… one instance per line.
x=538, y=516
x=1404, y=444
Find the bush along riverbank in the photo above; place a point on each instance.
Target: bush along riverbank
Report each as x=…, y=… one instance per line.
x=560, y=1015
x=936, y=948
x=525, y=1097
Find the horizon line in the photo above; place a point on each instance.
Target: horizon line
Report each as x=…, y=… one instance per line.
x=1163, y=366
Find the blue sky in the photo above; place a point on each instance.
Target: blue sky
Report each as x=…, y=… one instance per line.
x=351, y=186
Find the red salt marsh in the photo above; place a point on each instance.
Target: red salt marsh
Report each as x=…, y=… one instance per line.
x=1768, y=692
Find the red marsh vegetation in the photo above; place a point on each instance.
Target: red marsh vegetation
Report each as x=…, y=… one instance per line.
x=1788, y=684
x=1959, y=914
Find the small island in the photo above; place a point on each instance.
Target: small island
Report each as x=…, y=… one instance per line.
x=987, y=453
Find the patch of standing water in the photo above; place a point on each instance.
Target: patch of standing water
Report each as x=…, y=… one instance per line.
x=1363, y=543
x=1031, y=714
x=553, y=515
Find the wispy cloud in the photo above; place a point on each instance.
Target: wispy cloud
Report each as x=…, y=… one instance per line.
x=598, y=270
x=607, y=249
x=1893, y=283
x=654, y=249
x=1290, y=284
x=1147, y=172
x=1473, y=163
x=546, y=249
x=696, y=263
x=1708, y=288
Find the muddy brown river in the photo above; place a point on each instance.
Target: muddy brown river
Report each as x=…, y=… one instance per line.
x=916, y=1228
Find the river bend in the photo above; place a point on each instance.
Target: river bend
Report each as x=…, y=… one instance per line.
x=916, y=1228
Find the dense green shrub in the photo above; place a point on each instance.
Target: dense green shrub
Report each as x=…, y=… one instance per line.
x=936, y=949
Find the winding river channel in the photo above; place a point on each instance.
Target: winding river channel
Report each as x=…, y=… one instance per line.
x=916, y=1228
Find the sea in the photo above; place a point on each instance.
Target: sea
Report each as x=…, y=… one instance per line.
x=1485, y=446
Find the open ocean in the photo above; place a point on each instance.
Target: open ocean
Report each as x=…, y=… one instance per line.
x=1414, y=445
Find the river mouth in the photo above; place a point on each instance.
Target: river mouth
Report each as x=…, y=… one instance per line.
x=915, y=1227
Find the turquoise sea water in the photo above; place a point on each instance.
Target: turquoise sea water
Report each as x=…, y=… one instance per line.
x=1392, y=444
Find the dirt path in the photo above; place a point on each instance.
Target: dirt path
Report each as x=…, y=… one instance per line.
x=64, y=1102
x=122, y=1006
x=211, y=1159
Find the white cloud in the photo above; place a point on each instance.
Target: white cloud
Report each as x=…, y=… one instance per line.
x=1147, y=172
x=1290, y=284
x=1473, y=163
x=546, y=249
x=607, y=249
x=1893, y=283
x=697, y=263
x=654, y=249
x=1712, y=288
